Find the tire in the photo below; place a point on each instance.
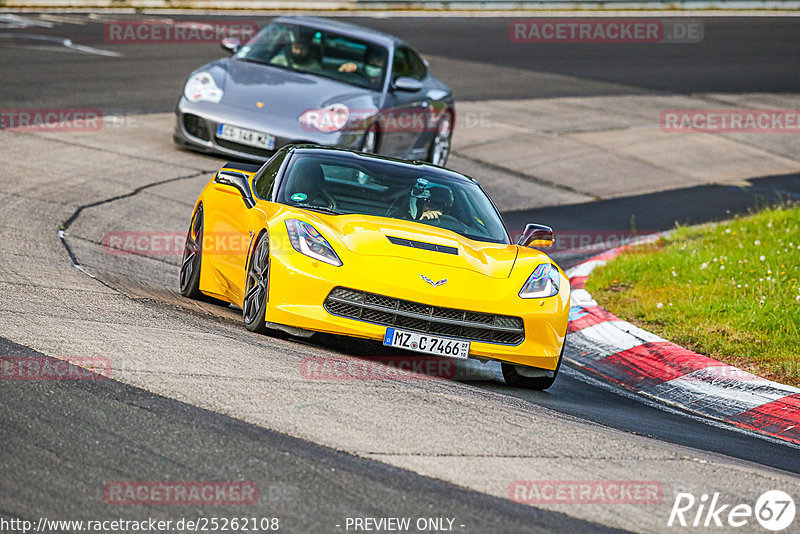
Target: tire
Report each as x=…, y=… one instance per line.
x=192, y=258
x=254, y=305
x=370, y=142
x=539, y=383
x=439, y=150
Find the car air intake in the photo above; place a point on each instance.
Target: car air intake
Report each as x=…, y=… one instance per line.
x=423, y=245
x=418, y=317
x=196, y=126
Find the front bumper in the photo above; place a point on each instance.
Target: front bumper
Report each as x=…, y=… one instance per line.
x=197, y=122
x=299, y=287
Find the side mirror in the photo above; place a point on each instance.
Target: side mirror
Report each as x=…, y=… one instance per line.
x=231, y=45
x=537, y=235
x=237, y=181
x=407, y=83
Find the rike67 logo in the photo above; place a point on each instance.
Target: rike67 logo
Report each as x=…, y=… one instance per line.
x=774, y=510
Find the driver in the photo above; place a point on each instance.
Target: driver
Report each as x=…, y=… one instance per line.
x=429, y=202
x=303, y=53
x=374, y=63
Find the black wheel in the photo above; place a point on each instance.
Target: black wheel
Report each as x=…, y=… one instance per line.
x=370, y=142
x=439, y=150
x=192, y=258
x=254, y=306
x=516, y=380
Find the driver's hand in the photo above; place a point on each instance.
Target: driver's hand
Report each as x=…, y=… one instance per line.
x=433, y=214
x=348, y=67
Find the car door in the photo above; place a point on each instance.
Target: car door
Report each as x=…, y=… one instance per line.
x=226, y=237
x=406, y=113
x=232, y=224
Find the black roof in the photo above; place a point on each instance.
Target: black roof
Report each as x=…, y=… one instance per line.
x=356, y=155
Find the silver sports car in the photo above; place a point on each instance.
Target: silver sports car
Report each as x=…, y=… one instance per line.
x=313, y=80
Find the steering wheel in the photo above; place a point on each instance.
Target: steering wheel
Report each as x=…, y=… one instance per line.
x=449, y=222
x=325, y=196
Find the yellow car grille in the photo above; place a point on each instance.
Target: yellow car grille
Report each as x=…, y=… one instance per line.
x=418, y=317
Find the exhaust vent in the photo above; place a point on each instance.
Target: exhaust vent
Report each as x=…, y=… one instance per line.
x=421, y=244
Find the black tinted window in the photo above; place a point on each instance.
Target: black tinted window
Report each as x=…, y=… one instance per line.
x=265, y=178
x=408, y=63
x=374, y=187
x=319, y=52
x=418, y=68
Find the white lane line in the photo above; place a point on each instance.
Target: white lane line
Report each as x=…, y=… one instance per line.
x=14, y=21
x=581, y=297
x=50, y=42
x=604, y=339
x=659, y=404
x=64, y=19
x=720, y=391
x=584, y=268
x=109, y=15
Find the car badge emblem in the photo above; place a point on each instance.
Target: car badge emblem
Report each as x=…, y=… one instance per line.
x=431, y=282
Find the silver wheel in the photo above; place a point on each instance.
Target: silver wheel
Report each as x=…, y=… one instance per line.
x=192, y=254
x=440, y=148
x=255, y=297
x=370, y=142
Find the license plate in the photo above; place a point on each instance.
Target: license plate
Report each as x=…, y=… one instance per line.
x=246, y=137
x=437, y=345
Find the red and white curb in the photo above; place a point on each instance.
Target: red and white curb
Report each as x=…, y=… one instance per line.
x=603, y=344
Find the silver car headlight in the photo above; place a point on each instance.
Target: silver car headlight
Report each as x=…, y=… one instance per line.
x=542, y=283
x=201, y=86
x=306, y=240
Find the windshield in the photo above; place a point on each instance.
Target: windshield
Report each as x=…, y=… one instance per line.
x=435, y=197
x=304, y=49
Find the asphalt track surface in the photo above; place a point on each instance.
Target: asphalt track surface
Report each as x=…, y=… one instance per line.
x=108, y=427
x=96, y=419
x=736, y=54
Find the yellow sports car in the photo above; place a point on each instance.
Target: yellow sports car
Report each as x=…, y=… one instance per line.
x=406, y=253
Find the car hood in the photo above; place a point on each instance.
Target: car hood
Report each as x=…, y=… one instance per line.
x=283, y=92
x=369, y=236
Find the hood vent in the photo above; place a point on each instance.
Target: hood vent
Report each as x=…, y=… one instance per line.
x=421, y=244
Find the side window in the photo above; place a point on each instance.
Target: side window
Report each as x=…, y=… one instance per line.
x=416, y=65
x=400, y=66
x=408, y=63
x=265, y=178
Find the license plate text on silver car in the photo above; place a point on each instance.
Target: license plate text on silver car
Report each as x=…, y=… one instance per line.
x=246, y=137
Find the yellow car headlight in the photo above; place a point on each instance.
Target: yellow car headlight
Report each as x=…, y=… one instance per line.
x=542, y=283
x=306, y=240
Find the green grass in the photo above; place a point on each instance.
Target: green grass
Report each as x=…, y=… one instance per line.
x=729, y=290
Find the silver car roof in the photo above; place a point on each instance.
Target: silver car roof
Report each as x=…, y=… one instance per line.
x=343, y=28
